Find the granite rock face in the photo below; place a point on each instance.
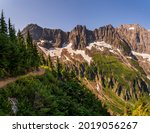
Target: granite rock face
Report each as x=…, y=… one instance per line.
x=110, y=35
x=35, y=30
x=80, y=37
x=55, y=37
x=137, y=36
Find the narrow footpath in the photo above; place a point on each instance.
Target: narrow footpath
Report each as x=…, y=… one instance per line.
x=7, y=81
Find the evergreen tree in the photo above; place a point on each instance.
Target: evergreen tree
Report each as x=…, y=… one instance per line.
x=11, y=32
x=20, y=38
x=3, y=25
x=3, y=47
x=29, y=48
x=50, y=64
x=17, y=56
x=33, y=56
x=58, y=68
x=43, y=60
x=29, y=41
x=36, y=57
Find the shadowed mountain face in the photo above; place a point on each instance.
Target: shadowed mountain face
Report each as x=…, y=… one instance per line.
x=55, y=36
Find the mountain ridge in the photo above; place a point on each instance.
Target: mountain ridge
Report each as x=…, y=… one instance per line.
x=82, y=45
x=127, y=38
x=134, y=35
x=80, y=36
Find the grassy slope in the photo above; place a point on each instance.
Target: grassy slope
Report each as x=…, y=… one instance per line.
x=124, y=76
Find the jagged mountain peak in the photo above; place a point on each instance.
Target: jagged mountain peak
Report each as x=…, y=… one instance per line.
x=108, y=26
x=80, y=27
x=137, y=36
x=131, y=27
x=80, y=36
x=34, y=30
x=31, y=27
x=138, y=39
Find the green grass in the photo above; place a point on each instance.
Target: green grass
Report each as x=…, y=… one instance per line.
x=117, y=105
x=124, y=76
x=112, y=66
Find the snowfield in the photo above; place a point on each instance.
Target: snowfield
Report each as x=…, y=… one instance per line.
x=148, y=77
x=57, y=51
x=44, y=50
x=99, y=45
x=143, y=55
x=77, y=52
x=131, y=28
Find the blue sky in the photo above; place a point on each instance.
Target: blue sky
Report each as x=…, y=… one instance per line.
x=66, y=14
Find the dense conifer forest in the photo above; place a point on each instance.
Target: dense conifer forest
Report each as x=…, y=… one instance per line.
x=17, y=55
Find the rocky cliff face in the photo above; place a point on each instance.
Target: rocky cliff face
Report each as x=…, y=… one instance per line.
x=110, y=35
x=139, y=40
x=137, y=36
x=80, y=37
x=53, y=37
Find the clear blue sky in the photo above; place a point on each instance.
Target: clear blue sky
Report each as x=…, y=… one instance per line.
x=66, y=14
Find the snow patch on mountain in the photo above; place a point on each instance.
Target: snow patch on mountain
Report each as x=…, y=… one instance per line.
x=97, y=87
x=84, y=55
x=78, y=52
x=143, y=55
x=112, y=51
x=131, y=28
x=57, y=51
x=42, y=41
x=99, y=45
x=46, y=51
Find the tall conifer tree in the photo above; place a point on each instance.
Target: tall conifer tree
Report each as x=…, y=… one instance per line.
x=11, y=31
x=29, y=40
x=20, y=38
x=3, y=25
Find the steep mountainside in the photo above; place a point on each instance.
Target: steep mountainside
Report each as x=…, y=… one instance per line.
x=139, y=41
x=137, y=36
x=105, y=60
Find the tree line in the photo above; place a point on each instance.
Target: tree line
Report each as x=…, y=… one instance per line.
x=18, y=55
